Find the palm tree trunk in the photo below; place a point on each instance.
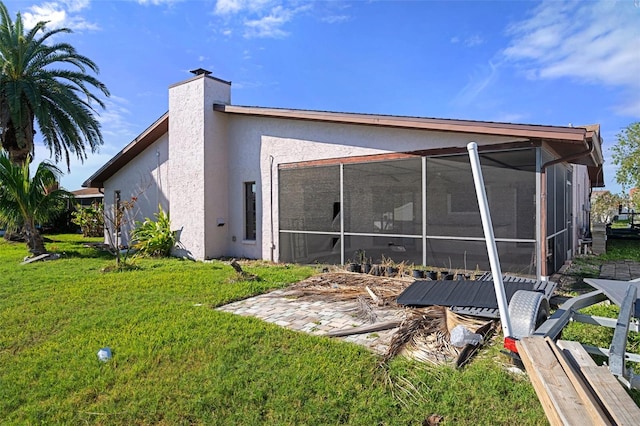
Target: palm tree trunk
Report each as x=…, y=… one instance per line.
x=35, y=242
x=17, y=140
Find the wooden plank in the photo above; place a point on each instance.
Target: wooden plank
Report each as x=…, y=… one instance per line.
x=576, y=353
x=559, y=399
x=610, y=392
x=614, y=397
x=592, y=404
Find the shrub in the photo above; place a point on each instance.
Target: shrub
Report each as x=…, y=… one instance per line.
x=154, y=238
x=90, y=219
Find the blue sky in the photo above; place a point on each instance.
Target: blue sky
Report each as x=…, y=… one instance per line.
x=547, y=62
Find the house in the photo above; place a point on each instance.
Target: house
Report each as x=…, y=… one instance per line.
x=313, y=186
x=86, y=197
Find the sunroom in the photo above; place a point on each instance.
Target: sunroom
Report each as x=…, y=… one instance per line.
x=421, y=208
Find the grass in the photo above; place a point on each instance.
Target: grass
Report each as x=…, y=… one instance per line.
x=622, y=249
x=176, y=360
x=620, y=224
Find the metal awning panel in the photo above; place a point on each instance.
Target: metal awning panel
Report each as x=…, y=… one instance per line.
x=476, y=298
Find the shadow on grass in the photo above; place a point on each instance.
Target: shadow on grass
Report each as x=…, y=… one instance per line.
x=85, y=254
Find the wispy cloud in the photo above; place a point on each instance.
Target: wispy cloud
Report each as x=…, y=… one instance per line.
x=335, y=19
x=259, y=18
x=629, y=108
x=114, y=119
x=157, y=2
x=469, y=41
x=593, y=42
x=242, y=85
x=230, y=7
x=60, y=14
x=481, y=78
x=269, y=26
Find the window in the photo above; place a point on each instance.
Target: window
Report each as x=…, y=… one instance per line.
x=250, y=211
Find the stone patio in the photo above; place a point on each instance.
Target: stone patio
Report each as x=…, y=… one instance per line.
x=318, y=317
x=622, y=270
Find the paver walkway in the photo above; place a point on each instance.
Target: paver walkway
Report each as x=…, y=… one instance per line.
x=317, y=316
x=622, y=270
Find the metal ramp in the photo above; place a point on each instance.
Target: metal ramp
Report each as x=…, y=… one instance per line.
x=616, y=290
x=467, y=297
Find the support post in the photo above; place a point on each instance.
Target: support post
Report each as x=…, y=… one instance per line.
x=492, y=250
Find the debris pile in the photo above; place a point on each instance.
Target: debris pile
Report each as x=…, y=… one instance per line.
x=423, y=334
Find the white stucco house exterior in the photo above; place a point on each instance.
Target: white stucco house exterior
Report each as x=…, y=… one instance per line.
x=314, y=186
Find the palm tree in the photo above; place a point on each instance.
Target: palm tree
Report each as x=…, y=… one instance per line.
x=26, y=201
x=45, y=81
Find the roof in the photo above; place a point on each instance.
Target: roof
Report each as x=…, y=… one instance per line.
x=87, y=193
x=129, y=152
x=573, y=134
x=581, y=144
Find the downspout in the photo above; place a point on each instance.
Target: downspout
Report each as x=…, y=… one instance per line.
x=272, y=243
x=543, y=191
x=569, y=158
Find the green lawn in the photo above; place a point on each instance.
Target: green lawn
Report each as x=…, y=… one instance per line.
x=178, y=361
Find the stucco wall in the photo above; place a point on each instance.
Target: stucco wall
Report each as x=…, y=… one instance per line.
x=146, y=179
x=216, y=171
x=197, y=176
x=258, y=145
x=581, y=186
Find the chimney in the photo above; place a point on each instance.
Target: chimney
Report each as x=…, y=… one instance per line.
x=200, y=71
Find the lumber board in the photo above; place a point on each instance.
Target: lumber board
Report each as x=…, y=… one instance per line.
x=613, y=396
x=576, y=352
x=620, y=406
x=559, y=399
x=582, y=388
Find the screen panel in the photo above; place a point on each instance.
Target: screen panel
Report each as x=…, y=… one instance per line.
x=310, y=199
x=384, y=197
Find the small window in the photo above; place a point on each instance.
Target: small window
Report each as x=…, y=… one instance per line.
x=250, y=211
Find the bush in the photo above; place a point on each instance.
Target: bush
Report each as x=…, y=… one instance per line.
x=154, y=238
x=90, y=219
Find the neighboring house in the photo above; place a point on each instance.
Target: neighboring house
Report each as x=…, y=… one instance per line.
x=87, y=196
x=313, y=186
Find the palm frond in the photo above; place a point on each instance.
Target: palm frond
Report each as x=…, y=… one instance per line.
x=425, y=335
x=46, y=82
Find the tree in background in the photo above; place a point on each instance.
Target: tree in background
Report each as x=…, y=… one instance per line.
x=605, y=206
x=90, y=219
x=634, y=200
x=626, y=155
x=27, y=201
x=45, y=81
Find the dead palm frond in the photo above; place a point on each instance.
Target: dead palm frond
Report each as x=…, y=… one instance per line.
x=365, y=311
x=425, y=335
x=340, y=286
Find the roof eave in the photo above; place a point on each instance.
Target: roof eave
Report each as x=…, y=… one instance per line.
x=135, y=147
x=567, y=134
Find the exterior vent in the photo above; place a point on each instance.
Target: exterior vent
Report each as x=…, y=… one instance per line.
x=200, y=71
